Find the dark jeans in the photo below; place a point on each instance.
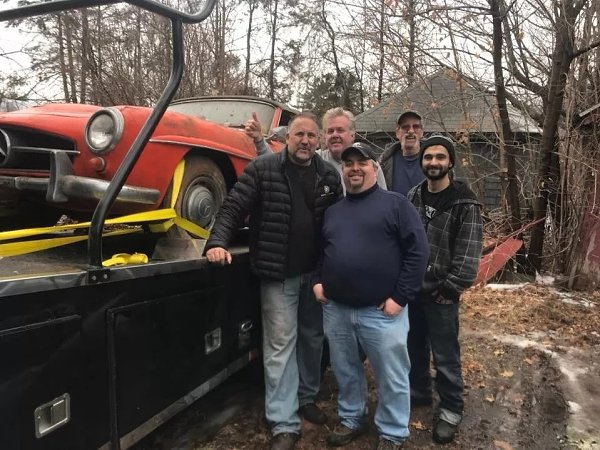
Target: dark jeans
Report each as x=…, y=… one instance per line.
x=434, y=329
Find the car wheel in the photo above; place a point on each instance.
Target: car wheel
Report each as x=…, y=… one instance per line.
x=202, y=191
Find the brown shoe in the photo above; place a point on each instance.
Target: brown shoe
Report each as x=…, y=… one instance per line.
x=284, y=441
x=313, y=413
x=343, y=435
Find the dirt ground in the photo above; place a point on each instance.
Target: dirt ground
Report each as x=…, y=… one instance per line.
x=531, y=364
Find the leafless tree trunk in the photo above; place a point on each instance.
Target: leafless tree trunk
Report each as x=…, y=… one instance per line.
x=339, y=73
x=84, y=46
x=137, y=56
x=381, y=52
x=61, y=58
x=71, y=70
x=412, y=42
x=252, y=4
x=275, y=6
x=507, y=135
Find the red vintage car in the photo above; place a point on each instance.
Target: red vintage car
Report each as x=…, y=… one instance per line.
x=61, y=157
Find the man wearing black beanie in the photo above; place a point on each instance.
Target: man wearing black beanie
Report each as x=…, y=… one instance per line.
x=451, y=215
x=437, y=139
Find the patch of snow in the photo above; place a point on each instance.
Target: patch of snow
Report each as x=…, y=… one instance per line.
x=505, y=287
x=574, y=406
x=569, y=370
x=572, y=299
x=545, y=280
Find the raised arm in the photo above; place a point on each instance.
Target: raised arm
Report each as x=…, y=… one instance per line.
x=253, y=129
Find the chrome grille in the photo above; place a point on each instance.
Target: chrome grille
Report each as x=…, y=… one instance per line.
x=29, y=149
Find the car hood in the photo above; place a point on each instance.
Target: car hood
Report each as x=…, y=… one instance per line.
x=56, y=109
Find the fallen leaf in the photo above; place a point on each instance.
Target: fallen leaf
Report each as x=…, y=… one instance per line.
x=507, y=374
x=502, y=445
x=418, y=425
x=490, y=398
x=528, y=361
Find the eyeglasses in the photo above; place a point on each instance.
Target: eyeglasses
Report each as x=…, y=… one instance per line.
x=408, y=126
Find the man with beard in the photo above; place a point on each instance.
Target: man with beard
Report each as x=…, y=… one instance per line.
x=286, y=195
x=338, y=129
x=451, y=215
x=373, y=259
x=400, y=161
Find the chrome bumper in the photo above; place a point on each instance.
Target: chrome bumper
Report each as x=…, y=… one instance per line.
x=62, y=185
x=71, y=186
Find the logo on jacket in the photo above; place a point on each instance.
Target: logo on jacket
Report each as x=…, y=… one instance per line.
x=325, y=191
x=429, y=211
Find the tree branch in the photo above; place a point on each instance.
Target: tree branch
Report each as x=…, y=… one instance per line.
x=513, y=64
x=585, y=49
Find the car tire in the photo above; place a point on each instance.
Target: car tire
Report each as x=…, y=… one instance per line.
x=202, y=191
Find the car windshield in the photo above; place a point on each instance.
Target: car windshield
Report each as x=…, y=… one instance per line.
x=231, y=113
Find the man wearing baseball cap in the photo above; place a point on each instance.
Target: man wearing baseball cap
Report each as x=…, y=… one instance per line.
x=451, y=215
x=400, y=161
x=372, y=263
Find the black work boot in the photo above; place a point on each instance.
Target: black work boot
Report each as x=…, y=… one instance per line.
x=313, y=413
x=444, y=432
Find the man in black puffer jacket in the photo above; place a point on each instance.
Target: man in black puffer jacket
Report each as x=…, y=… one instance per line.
x=285, y=195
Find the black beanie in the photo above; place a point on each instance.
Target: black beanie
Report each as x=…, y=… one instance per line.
x=438, y=140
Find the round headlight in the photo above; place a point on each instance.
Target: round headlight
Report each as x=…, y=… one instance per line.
x=104, y=130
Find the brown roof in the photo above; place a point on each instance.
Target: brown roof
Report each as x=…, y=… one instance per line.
x=448, y=104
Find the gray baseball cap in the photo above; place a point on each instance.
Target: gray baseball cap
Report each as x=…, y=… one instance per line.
x=408, y=113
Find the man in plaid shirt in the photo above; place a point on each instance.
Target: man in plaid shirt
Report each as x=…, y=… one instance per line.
x=451, y=215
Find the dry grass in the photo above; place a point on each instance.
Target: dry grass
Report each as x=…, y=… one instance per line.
x=571, y=321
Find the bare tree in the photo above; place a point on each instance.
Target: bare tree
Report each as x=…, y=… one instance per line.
x=507, y=136
x=564, y=52
x=252, y=5
x=274, y=9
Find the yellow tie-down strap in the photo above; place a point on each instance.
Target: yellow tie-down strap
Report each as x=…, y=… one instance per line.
x=126, y=258
x=166, y=218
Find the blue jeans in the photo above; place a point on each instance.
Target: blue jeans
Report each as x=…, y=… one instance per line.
x=292, y=347
x=383, y=339
x=434, y=329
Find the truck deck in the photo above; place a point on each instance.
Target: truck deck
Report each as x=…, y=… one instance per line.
x=67, y=266
x=69, y=258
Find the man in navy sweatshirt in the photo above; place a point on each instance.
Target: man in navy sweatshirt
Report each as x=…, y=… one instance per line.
x=372, y=264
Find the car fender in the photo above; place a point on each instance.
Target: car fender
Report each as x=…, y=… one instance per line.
x=175, y=148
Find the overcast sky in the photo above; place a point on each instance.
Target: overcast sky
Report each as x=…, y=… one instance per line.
x=11, y=42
